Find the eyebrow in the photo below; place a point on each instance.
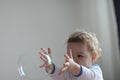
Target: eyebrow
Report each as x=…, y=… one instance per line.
x=79, y=52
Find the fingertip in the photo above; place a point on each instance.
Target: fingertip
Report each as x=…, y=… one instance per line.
x=40, y=56
x=41, y=48
x=49, y=50
x=66, y=56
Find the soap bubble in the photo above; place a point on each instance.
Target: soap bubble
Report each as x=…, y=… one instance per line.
x=29, y=67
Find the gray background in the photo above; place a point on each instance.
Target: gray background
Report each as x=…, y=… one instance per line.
x=27, y=25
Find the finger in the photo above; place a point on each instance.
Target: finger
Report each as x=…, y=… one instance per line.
x=49, y=52
x=67, y=64
x=44, y=51
x=43, y=55
x=70, y=53
x=43, y=58
x=62, y=70
x=67, y=57
x=41, y=66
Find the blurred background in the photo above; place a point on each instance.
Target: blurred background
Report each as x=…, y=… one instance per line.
x=27, y=25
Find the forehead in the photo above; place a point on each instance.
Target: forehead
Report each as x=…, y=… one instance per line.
x=77, y=47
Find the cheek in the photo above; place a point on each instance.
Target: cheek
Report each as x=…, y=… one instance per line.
x=75, y=59
x=80, y=61
x=84, y=61
x=88, y=62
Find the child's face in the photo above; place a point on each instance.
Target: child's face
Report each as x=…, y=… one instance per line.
x=80, y=53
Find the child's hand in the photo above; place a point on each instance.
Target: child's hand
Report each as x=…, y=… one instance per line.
x=70, y=65
x=46, y=57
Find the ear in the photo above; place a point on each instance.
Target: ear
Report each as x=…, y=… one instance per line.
x=94, y=57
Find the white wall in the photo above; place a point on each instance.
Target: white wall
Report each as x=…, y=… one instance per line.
x=109, y=39
x=29, y=25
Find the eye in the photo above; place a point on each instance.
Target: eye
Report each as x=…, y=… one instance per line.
x=67, y=53
x=79, y=55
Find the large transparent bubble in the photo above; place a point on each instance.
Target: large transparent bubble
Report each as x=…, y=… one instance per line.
x=29, y=67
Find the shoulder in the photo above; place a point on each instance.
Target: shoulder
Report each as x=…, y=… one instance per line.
x=95, y=66
x=97, y=70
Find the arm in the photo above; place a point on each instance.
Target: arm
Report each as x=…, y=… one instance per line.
x=93, y=73
x=80, y=72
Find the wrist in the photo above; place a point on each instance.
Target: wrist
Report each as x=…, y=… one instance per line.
x=76, y=69
x=51, y=69
x=80, y=73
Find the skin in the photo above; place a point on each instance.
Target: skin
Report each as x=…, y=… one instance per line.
x=80, y=54
x=77, y=54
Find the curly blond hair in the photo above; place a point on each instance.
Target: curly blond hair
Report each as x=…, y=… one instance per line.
x=86, y=37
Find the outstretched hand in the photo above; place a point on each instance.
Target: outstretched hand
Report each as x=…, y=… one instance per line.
x=45, y=55
x=69, y=64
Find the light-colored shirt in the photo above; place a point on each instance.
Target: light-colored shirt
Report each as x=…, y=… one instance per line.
x=92, y=73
